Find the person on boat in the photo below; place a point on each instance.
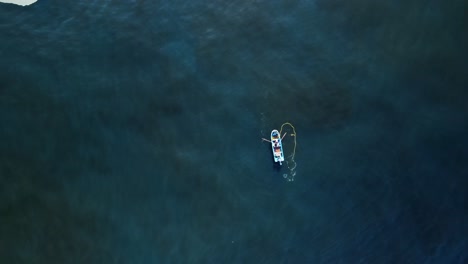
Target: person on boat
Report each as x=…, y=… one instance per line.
x=264, y=139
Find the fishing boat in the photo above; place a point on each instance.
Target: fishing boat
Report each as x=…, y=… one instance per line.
x=277, y=146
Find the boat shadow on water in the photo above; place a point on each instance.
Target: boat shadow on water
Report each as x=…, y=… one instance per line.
x=276, y=166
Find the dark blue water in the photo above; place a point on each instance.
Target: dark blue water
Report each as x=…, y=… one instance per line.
x=131, y=131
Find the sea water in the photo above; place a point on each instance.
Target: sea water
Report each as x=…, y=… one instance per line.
x=131, y=131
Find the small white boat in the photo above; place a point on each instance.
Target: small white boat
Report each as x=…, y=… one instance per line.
x=277, y=146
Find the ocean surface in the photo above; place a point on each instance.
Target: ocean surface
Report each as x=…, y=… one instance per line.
x=131, y=131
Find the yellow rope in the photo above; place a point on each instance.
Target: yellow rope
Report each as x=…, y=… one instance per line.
x=290, y=162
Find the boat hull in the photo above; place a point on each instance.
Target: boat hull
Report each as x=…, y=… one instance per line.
x=277, y=146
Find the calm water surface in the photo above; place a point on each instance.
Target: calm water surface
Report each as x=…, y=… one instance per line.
x=131, y=131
